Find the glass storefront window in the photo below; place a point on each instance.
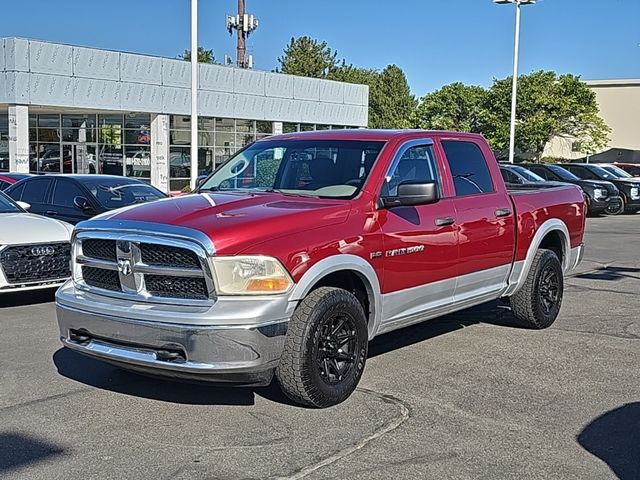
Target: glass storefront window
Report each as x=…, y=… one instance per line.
x=140, y=136
x=323, y=127
x=177, y=122
x=48, y=135
x=225, y=125
x=206, y=162
x=307, y=127
x=289, y=127
x=264, y=127
x=78, y=135
x=110, y=134
x=205, y=139
x=49, y=121
x=110, y=159
x=205, y=123
x=110, y=120
x=245, y=139
x=244, y=126
x=4, y=142
x=179, y=137
x=179, y=162
x=78, y=121
x=225, y=139
x=137, y=120
x=138, y=161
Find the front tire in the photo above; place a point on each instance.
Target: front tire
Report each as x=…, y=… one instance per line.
x=537, y=303
x=325, y=349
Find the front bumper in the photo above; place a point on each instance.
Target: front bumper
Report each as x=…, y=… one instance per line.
x=243, y=353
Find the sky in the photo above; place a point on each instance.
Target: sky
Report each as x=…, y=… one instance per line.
x=434, y=42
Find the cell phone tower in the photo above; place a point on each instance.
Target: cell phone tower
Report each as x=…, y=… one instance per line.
x=243, y=23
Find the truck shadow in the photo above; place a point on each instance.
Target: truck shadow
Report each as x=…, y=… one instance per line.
x=31, y=297
x=614, y=438
x=101, y=375
x=611, y=273
x=18, y=450
x=495, y=313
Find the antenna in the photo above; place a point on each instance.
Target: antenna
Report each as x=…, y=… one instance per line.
x=244, y=24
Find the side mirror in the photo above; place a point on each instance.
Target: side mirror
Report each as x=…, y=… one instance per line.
x=24, y=205
x=412, y=193
x=200, y=180
x=82, y=203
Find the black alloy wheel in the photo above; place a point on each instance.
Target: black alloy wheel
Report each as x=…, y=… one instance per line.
x=336, y=348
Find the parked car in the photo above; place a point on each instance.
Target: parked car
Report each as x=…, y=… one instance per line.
x=517, y=176
x=632, y=169
x=600, y=195
x=73, y=198
x=35, y=251
x=616, y=170
x=629, y=187
x=301, y=248
x=8, y=179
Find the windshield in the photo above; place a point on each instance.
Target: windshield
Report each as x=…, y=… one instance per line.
x=118, y=193
x=602, y=173
x=528, y=174
x=562, y=173
x=7, y=205
x=315, y=168
x=617, y=171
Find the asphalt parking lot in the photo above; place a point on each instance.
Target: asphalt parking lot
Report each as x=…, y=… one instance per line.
x=466, y=396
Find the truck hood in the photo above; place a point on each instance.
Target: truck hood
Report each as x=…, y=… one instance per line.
x=235, y=221
x=22, y=228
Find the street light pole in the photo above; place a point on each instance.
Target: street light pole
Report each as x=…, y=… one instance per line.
x=194, y=94
x=514, y=86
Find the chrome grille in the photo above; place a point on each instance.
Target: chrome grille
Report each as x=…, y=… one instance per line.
x=138, y=267
x=99, y=278
x=168, y=256
x=100, y=249
x=45, y=262
x=176, y=287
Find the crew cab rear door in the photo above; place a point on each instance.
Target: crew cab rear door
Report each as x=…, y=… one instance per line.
x=484, y=217
x=420, y=247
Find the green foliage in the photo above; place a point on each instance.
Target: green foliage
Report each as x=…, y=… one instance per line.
x=548, y=106
x=308, y=57
x=455, y=107
x=204, y=56
x=391, y=104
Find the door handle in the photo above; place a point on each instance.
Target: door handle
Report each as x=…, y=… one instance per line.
x=50, y=212
x=444, y=221
x=503, y=212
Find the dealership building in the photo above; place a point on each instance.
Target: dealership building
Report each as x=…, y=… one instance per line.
x=74, y=109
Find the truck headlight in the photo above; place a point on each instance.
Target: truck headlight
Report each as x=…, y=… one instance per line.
x=599, y=193
x=635, y=192
x=250, y=275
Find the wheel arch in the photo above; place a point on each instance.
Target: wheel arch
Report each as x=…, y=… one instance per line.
x=334, y=270
x=552, y=234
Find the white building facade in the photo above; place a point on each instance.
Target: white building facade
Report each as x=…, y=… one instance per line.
x=70, y=109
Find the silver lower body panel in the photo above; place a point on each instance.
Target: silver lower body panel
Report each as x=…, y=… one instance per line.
x=246, y=354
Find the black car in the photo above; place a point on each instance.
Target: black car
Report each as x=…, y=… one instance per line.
x=73, y=198
x=601, y=196
x=8, y=179
x=629, y=187
x=518, y=176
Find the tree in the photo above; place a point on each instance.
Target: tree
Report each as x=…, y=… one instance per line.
x=548, y=106
x=204, y=56
x=308, y=57
x=454, y=107
x=391, y=104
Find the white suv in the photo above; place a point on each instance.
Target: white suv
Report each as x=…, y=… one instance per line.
x=34, y=251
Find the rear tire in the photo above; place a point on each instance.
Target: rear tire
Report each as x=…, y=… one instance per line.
x=537, y=303
x=325, y=349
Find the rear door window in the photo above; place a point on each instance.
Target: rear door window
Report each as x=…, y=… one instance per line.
x=469, y=168
x=64, y=193
x=35, y=191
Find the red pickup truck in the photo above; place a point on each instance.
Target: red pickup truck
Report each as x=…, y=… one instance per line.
x=301, y=248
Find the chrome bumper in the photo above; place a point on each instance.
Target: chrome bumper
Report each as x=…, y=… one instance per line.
x=246, y=354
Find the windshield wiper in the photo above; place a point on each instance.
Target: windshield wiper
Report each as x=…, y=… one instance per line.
x=292, y=194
